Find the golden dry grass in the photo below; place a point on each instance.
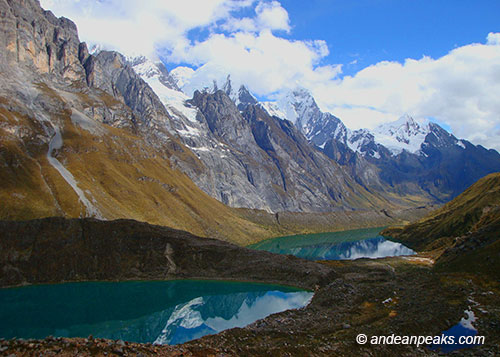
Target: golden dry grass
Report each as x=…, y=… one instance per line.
x=122, y=174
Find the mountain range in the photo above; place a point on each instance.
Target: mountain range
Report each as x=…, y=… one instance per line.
x=104, y=135
x=407, y=162
x=252, y=159
x=405, y=157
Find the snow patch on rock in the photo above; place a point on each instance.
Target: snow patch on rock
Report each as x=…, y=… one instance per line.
x=404, y=134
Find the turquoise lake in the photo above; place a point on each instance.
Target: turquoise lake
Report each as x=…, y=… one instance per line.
x=346, y=245
x=162, y=312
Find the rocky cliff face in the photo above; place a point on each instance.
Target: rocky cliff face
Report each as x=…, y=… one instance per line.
x=414, y=160
x=111, y=72
x=84, y=135
x=37, y=46
x=39, y=40
x=276, y=160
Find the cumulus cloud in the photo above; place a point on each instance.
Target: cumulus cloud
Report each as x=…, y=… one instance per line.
x=272, y=16
x=142, y=27
x=264, y=62
x=268, y=16
x=493, y=38
x=459, y=89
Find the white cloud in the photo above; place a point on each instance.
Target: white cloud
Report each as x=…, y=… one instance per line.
x=493, y=38
x=234, y=24
x=140, y=27
x=182, y=75
x=459, y=89
x=264, y=62
x=272, y=16
x=268, y=16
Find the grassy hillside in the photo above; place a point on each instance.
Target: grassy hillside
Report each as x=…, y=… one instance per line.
x=467, y=213
x=118, y=172
x=121, y=174
x=478, y=252
x=464, y=234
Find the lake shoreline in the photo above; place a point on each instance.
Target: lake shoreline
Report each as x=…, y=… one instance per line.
x=340, y=309
x=297, y=223
x=343, y=245
x=348, y=298
x=162, y=312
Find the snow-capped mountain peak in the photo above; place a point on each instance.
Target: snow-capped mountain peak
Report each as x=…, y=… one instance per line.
x=403, y=128
x=273, y=109
x=144, y=67
x=406, y=133
x=158, y=78
x=148, y=69
x=297, y=105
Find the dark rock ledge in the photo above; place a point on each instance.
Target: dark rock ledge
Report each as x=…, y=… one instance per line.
x=55, y=250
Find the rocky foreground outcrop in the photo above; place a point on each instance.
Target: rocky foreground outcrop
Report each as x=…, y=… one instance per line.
x=55, y=250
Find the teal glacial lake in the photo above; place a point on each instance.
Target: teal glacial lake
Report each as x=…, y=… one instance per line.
x=346, y=245
x=161, y=312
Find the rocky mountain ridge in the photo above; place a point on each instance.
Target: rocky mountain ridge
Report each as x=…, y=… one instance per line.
x=84, y=135
x=248, y=156
x=222, y=139
x=407, y=157
x=410, y=162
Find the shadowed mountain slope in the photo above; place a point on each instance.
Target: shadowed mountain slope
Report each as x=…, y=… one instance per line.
x=464, y=233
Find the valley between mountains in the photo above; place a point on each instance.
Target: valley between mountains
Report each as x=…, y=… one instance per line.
x=411, y=295
x=115, y=169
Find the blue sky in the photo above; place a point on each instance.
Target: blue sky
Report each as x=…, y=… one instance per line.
x=371, y=31
x=366, y=61
x=360, y=33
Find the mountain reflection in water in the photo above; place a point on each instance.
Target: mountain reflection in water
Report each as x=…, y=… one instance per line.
x=162, y=312
x=354, y=244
